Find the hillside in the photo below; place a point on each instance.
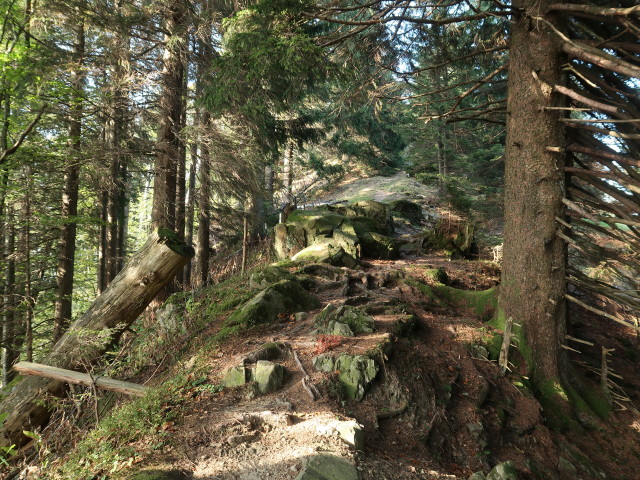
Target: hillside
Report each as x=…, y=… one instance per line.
x=389, y=365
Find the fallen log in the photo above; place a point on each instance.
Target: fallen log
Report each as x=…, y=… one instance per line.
x=70, y=376
x=90, y=336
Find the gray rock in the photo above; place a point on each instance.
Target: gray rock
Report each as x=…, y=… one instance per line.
x=235, y=440
x=337, y=328
x=234, y=376
x=268, y=376
x=356, y=373
x=327, y=467
x=324, y=363
x=301, y=316
x=352, y=433
x=503, y=471
x=477, y=476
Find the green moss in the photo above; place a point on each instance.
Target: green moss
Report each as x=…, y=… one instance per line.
x=483, y=302
x=555, y=404
x=286, y=296
x=171, y=240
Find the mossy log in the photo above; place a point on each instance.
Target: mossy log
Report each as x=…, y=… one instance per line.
x=142, y=278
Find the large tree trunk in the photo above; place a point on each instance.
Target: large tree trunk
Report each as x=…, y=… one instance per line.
x=172, y=84
x=67, y=241
x=124, y=299
x=534, y=262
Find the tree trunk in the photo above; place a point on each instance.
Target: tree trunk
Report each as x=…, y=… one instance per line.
x=534, y=262
x=190, y=208
x=69, y=212
x=151, y=269
x=164, y=187
x=204, y=202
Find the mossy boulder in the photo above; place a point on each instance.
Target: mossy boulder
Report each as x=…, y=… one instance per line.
x=268, y=376
x=408, y=210
x=375, y=245
x=268, y=276
x=456, y=238
x=288, y=240
x=234, y=376
x=355, y=372
x=436, y=275
x=367, y=216
x=357, y=319
x=326, y=252
x=285, y=296
x=328, y=467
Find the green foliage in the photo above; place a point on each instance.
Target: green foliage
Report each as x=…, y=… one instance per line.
x=111, y=446
x=269, y=65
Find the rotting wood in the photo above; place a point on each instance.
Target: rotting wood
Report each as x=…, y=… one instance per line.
x=70, y=376
x=126, y=297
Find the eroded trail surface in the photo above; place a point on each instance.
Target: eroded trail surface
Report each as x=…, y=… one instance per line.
x=436, y=408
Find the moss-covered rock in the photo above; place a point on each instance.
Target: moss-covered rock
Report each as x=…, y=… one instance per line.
x=408, y=210
x=375, y=245
x=285, y=296
x=288, y=240
x=355, y=372
x=356, y=318
x=268, y=276
x=367, y=216
x=328, y=467
x=268, y=376
x=234, y=376
x=436, y=275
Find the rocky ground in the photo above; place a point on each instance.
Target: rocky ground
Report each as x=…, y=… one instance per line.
x=380, y=376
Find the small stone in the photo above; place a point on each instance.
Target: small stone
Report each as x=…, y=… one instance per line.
x=301, y=316
x=503, y=471
x=352, y=433
x=327, y=467
x=235, y=440
x=477, y=476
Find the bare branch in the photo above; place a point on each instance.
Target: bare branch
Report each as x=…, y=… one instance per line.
x=23, y=136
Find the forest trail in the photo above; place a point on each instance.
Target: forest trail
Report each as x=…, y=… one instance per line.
x=438, y=408
x=434, y=404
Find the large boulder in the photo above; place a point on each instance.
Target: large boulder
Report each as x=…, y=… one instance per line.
x=268, y=276
x=375, y=245
x=326, y=252
x=356, y=372
x=408, y=210
x=367, y=216
x=285, y=296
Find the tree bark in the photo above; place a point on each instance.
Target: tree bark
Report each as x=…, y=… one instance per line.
x=172, y=84
x=125, y=298
x=534, y=262
x=69, y=212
